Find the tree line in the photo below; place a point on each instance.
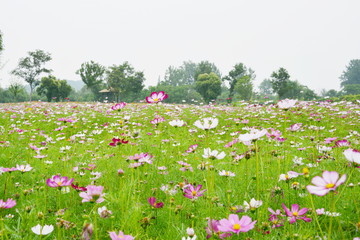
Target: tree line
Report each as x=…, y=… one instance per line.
x=190, y=82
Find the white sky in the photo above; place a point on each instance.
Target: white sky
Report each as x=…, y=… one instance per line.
x=313, y=39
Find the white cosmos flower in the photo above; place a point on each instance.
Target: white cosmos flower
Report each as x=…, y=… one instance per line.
x=287, y=103
x=253, y=135
x=226, y=173
x=213, y=154
x=352, y=156
x=177, y=123
x=289, y=175
x=40, y=230
x=23, y=168
x=190, y=232
x=252, y=205
x=209, y=123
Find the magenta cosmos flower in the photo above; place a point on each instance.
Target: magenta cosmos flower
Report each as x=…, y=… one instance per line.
x=93, y=194
x=118, y=141
x=295, y=213
x=118, y=106
x=8, y=204
x=152, y=202
x=192, y=192
x=156, y=97
x=235, y=225
x=120, y=236
x=57, y=182
x=323, y=185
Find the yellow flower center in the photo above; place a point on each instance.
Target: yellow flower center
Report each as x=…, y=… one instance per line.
x=236, y=227
x=227, y=173
x=306, y=170
x=330, y=185
x=181, y=185
x=59, y=184
x=156, y=99
x=194, y=193
x=234, y=208
x=287, y=176
x=295, y=214
x=122, y=237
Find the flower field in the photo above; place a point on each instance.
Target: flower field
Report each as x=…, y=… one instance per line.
x=286, y=170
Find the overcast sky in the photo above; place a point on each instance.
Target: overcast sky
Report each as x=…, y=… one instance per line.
x=313, y=39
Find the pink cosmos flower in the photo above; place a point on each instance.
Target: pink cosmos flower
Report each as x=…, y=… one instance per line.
x=230, y=144
x=77, y=188
x=330, y=140
x=93, y=194
x=295, y=127
x=152, y=202
x=157, y=120
x=192, y=148
x=156, y=97
x=295, y=213
x=329, y=181
x=213, y=229
x=186, y=166
x=57, y=181
x=193, y=193
x=8, y=204
x=235, y=225
x=120, y=236
x=342, y=143
x=274, y=134
x=273, y=218
x=118, y=106
x=118, y=141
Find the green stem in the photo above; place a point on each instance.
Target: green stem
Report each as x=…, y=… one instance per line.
x=332, y=211
x=315, y=215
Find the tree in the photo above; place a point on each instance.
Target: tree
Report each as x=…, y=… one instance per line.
x=329, y=93
x=352, y=73
x=1, y=42
x=31, y=67
x=280, y=81
x=206, y=67
x=209, y=86
x=239, y=72
x=64, y=90
x=92, y=74
x=124, y=80
x=173, y=76
x=52, y=87
x=15, y=89
x=244, y=87
x=352, y=89
x=265, y=87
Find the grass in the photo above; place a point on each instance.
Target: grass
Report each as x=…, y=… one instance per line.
x=256, y=175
